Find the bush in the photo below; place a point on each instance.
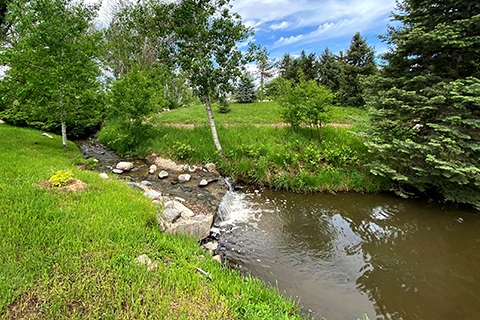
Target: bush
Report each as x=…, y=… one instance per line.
x=305, y=102
x=61, y=178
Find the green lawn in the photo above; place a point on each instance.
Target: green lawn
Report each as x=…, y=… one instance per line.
x=257, y=113
x=70, y=255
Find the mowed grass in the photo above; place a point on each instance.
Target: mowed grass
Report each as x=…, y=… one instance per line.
x=258, y=148
x=71, y=255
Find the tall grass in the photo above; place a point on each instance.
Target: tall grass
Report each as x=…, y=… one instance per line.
x=68, y=255
x=258, y=150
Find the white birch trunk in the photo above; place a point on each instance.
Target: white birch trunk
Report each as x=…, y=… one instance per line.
x=212, y=125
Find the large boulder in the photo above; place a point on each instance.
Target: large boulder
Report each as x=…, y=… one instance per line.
x=197, y=227
x=174, y=210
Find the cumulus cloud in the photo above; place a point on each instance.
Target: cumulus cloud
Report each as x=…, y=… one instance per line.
x=310, y=21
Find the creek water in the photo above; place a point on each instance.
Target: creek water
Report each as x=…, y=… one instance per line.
x=347, y=255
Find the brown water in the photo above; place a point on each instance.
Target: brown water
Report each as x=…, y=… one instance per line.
x=344, y=256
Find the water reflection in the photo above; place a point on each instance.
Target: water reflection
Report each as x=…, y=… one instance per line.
x=347, y=255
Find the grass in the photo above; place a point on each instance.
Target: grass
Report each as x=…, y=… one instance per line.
x=257, y=149
x=70, y=255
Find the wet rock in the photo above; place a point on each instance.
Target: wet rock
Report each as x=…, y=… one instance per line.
x=203, y=183
x=184, y=177
x=186, y=189
x=103, y=175
x=152, y=169
x=117, y=171
x=163, y=174
x=135, y=186
x=146, y=183
x=135, y=169
x=125, y=166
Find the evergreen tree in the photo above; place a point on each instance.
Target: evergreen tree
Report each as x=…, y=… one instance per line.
x=426, y=102
x=246, y=90
x=265, y=70
x=330, y=71
x=358, y=63
x=288, y=67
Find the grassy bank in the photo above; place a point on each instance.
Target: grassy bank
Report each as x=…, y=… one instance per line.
x=68, y=255
x=259, y=148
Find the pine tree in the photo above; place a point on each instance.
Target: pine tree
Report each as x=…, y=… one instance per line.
x=426, y=102
x=330, y=71
x=265, y=70
x=358, y=63
x=246, y=90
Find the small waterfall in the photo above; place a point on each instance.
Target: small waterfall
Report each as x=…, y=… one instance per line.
x=234, y=207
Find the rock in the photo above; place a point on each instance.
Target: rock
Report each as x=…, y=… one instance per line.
x=184, y=177
x=144, y=259
x=47, y=135
x=203, y=183
x=125, y=166
x=180, y=199
x=135, y=169
x=95, y=160
x=163, y=174
x=174, y=210
x=211, y=246
x=198, y=229
x=103, y=175
x=135, y=186
x=217, y=258
x=117, y=171
x=211, y=167
x=146, y=183
x=167, y=164
x=153, y=194
x=186, y=189
x=152, y=169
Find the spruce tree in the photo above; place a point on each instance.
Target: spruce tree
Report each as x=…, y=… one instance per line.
x=330, y=71
x=246, y=90
x=426, y=102
x=358, y=63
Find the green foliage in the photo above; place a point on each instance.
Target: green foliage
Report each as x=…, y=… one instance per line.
x=245, y=91
x=291, y=68
x=305, y=102
x=330, y=71
x=61, y=178
x=425, y=111
x=358, y=63
x=182, y=151
x=223, y=106
x=53, y=59
x=138, y=94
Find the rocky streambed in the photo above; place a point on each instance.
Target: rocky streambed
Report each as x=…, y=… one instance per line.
x=188, y=195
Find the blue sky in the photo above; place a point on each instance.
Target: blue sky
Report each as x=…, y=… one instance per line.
x=290, y=26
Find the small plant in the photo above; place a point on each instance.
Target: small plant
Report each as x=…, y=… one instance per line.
x=61, y=178
x=183, y=151
x=224, y=106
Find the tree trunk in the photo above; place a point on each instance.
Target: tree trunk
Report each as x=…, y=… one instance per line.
x=212, y=125
x=64, y=135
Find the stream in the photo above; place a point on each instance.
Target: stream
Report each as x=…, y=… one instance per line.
x=341, y=256
x=350, y=255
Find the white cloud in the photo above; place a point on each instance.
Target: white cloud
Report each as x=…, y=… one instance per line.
x=308, y=21
x=280, y=26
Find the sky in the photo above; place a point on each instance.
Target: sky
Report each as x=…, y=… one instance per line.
x=290, y=26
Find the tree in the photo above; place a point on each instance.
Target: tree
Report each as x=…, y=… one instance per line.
x=265, y=70
x=425, y=105
x=358, y=63
x=207, y=35
x=330, y=71
x=304, y=102
x=53, y=75
x=245, y=92
x=290, y=67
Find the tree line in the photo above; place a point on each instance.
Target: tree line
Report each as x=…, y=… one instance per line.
x=424, y=98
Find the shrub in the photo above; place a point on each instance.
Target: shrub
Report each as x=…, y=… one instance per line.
x=61, y=178
x=305, y=102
